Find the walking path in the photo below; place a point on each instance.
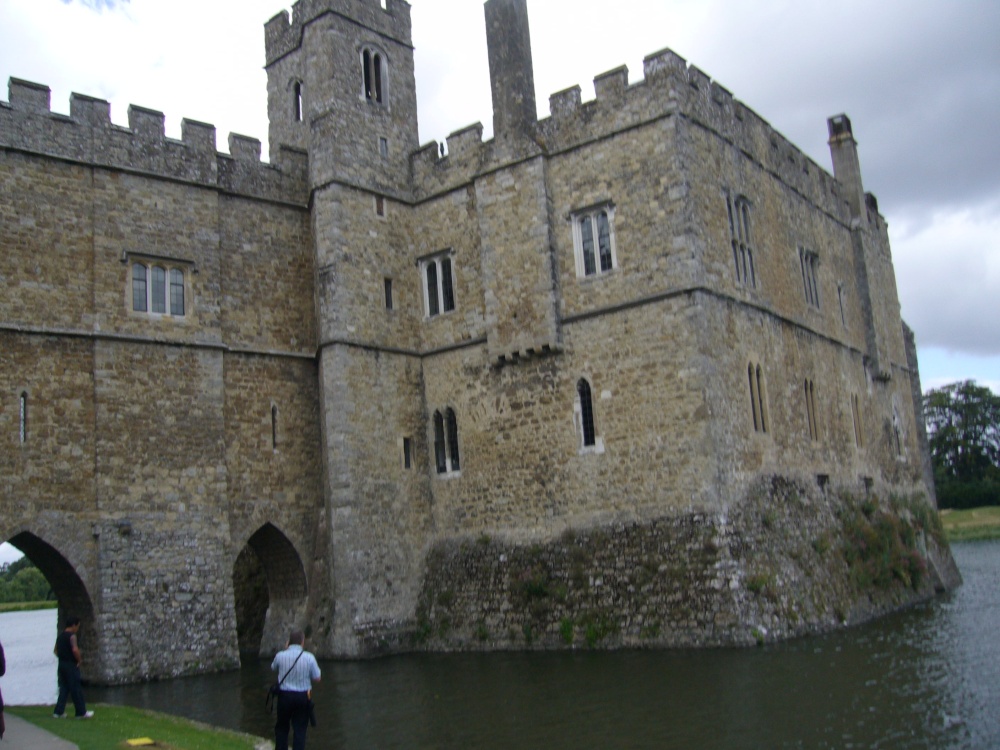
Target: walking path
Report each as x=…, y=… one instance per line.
x=24, y=735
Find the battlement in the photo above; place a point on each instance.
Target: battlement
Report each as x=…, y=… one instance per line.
x=88, y=136
x=390, y=18
x=670, y=87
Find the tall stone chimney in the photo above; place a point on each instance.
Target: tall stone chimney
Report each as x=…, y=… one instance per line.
x=846, y=165
x=511, y=73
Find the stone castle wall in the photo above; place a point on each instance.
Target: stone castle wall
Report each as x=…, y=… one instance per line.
x=279, y=436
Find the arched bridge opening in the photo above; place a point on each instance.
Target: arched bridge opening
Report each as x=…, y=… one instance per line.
x=269, y=588
x=69, y=589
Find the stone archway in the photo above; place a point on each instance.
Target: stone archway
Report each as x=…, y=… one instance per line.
x=269, y=590
x=69, y=589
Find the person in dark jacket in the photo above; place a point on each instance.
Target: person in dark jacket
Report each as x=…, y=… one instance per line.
x=68, y=653
x=3, y=671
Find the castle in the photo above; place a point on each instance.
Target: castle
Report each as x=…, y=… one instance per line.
x=612, y=377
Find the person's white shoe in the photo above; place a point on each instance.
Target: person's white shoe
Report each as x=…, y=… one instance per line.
x=88, y=715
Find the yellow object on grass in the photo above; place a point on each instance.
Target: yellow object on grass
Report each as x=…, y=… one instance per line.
x=140, y=742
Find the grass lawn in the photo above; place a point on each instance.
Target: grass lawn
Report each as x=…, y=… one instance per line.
x=26, y=606
x=113, y=725
x=973, y=524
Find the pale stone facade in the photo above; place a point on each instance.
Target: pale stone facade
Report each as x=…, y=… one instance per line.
x=399, y=386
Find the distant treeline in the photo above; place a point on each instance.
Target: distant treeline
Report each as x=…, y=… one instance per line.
x=963, y=427
x=21, y=581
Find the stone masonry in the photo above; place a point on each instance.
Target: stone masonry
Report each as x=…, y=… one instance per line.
x=632, y=374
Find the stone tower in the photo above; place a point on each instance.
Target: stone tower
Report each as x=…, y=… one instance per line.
x=341, y=86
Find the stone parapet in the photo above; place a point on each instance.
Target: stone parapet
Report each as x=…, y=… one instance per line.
x=87, y=136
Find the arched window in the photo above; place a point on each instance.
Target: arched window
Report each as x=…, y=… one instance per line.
x=446, y=456
x=374, y=74
x=810, y=396
x=23, y=418
x=297, y=101
x=586, y=412
x=758, y=401
x=452, y=427
x=739, y=233
x=593, y=240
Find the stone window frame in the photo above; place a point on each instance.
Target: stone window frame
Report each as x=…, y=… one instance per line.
x=437, y=278
x=380, y=206
x=812, y=421
x=374, y=75
x=738, y=209
x=447, y=460
x=172, y=268
x=584, y=420
x=586, y=221
x=758, y=398
x=808, y=264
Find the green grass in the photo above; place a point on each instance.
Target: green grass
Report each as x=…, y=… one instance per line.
x=971, y=525
x=26, y=606
x=113, y=725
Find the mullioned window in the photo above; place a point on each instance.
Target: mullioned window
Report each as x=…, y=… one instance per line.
x=738, y=209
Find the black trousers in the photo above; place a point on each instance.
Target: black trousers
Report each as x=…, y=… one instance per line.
x=69, y=686
x=293, y=713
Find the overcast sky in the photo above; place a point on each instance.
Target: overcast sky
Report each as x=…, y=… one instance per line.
x=920, y=80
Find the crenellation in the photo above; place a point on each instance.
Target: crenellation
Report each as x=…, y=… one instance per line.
x=722, y=96
x=244, y=148
x=664, y=61
x=609, y=87
x=148, y=124
x=566, y=103
x=89, y=110
x=698, y=79
x=465, y=141
x=27, y=96
x=199, y=136
x=282, y=36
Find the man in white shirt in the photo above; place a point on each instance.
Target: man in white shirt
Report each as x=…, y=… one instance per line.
x=297, y=671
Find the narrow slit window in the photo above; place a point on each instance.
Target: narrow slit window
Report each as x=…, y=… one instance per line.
x=856, y=414
x=810, y=397
x=297, y=101
x=758, y=397
x=379, y=205
x=23, y=419
x=388, y=294
x=586, y=412
x=407, y=453
x=452, y=426
x=274, y=428
x=440, y=457
x=383, y=147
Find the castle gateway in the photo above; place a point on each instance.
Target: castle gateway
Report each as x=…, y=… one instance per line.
x=632, y=374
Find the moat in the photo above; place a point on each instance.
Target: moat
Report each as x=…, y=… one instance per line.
x=925, y=678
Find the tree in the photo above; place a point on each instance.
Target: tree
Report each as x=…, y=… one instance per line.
x=963, y=425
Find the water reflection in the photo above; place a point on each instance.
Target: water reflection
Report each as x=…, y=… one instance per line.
x=926, y=678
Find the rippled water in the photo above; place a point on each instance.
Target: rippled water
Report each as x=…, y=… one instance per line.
x=925, y=678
